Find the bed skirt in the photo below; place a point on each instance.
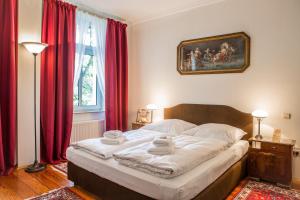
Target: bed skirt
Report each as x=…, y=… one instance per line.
x=108, y=190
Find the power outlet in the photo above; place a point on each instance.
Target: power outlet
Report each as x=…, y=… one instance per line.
x=296, y=152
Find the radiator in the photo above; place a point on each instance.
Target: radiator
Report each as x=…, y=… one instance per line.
x=87, y=129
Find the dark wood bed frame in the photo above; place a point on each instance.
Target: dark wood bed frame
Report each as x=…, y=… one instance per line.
x=194, y=113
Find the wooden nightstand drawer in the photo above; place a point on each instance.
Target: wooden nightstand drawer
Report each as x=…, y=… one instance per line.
x=272, y=147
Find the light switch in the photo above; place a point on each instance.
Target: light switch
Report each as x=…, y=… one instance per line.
x=287, y=115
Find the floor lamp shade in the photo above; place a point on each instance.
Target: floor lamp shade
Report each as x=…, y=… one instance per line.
x=35, y=48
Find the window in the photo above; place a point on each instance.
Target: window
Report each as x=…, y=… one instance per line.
x=89, y=65
x=86, y=92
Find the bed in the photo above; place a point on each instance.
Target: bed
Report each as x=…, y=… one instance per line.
x=213, y=179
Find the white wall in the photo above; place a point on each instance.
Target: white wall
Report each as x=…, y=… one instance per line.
x=271, y=82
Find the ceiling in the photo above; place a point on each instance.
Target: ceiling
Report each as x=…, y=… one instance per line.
x=137, y=11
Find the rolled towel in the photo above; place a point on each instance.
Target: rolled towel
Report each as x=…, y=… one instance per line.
x=113, y=134
x=163, y=141
x=162, y=150
x=111, y=141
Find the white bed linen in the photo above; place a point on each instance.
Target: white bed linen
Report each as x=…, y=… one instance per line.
x=97, y=148
x=171, y=126
x=189, y=152
x=183, y=187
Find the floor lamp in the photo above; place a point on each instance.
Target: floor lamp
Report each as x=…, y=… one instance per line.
x=35, y=48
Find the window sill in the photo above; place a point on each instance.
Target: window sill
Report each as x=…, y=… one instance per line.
x=87, y=111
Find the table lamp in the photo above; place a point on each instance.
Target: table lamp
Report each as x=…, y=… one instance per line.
x=259, y=115
x=152, y=107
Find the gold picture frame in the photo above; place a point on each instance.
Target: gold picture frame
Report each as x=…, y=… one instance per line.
x=229, y=53
x=144, y=116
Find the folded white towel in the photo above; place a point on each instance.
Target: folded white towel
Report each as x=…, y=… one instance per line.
x=163, y=141
x=111, y=141
x=113, y=134
x=161, y=150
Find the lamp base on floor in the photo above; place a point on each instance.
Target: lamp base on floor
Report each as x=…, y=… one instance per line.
x=35, y=167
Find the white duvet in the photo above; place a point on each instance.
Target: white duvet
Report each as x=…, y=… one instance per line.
x=95, y=147
x=189, y=152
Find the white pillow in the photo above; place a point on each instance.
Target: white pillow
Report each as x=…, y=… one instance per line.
x=219, y=131
x=172, y=126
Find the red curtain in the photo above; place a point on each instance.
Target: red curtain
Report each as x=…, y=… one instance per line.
x=2, y=161
x=116, y=83
x=57, y=73
x=8, y=84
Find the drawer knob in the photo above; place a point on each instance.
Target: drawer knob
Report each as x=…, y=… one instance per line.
x=273, y=147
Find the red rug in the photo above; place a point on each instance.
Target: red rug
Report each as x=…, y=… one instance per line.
x=63, y=167
x=59, y=194
x=252, y=190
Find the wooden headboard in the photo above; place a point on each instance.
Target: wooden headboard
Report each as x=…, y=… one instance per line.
x=201, y=114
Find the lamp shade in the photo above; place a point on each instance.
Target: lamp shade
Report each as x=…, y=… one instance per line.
x=34, y=47
x=259, y=114
x=152, y=107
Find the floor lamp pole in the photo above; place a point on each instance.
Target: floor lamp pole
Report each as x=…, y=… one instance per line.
x=35, y=143
x=36, y=166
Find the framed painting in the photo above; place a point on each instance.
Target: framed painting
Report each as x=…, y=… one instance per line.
x=228, y=53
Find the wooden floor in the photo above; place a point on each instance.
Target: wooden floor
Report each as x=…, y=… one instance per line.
x=21, y=185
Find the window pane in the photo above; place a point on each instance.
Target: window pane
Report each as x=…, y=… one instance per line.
x=89, y=82
x=87, y=37
x=76, y=97
x=93, y=36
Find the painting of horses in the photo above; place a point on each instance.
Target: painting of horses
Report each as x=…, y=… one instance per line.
x=228, y=53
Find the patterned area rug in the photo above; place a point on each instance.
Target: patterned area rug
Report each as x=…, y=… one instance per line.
x=59, y=194
x=252, y=190
x=63, y=167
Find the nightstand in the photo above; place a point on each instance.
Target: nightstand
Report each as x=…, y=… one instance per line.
x=271, y=160
x=137, y=125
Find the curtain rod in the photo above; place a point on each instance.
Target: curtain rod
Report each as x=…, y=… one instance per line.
x=94, y=12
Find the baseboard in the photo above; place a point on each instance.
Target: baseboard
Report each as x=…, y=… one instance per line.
x=296, y=183
x=23, y=166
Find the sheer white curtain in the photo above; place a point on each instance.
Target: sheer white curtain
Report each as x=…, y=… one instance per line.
x=99, y=52
x=98, y=28
x=82, y=26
